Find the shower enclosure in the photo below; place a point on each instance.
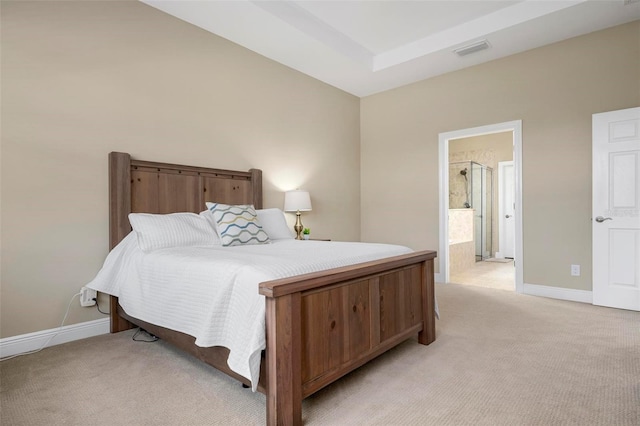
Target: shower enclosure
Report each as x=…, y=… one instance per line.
x=471, y=186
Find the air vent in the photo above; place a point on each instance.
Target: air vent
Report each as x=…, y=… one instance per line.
x=628, y=2
x=471, y=48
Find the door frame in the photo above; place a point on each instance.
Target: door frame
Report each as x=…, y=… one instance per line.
x=443, y=148
x=502, y=224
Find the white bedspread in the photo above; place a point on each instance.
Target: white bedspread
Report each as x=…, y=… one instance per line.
x=211, y=293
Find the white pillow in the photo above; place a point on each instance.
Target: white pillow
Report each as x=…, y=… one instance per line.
x=237, y=225
x=156, y=231
x=274, y=224
x=208, y=216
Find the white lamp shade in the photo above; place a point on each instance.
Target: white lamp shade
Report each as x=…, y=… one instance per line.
x=297, y=200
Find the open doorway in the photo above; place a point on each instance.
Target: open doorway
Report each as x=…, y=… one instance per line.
x=480, y=238
x=476, y=231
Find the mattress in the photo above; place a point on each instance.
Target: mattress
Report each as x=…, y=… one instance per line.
x=211, y=293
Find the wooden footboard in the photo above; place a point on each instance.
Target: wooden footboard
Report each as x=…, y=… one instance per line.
x=323, y=325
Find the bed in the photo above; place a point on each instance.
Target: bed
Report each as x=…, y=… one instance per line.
x=319, y=326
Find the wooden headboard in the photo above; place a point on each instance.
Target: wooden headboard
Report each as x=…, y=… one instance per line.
x=147, y=187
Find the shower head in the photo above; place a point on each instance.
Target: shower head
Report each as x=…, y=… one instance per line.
x=463, y=172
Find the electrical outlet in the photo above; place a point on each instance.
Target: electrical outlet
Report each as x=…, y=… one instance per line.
x=86, y=297
x=575, y=270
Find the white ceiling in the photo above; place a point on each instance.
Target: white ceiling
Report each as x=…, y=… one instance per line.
x=365, y=47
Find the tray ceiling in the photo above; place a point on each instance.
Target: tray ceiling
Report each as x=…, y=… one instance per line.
x=365, y=47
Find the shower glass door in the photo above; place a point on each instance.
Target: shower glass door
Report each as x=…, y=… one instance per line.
x=482, y=202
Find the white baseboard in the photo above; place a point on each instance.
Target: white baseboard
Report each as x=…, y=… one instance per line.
x=32, y=341
x=583, y=296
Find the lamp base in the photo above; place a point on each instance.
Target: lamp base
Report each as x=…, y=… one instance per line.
x=298, y=226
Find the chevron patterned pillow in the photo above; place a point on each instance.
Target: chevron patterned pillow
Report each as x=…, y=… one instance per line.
x=237, y=225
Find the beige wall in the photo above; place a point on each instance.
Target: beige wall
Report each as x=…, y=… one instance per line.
x=81, y=79
x=554, y=90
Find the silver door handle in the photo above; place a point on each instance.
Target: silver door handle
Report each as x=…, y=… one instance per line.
x=601, y=219
x=507, y=216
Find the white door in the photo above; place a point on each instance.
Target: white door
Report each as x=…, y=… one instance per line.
x=616, y=209
x=506, y=210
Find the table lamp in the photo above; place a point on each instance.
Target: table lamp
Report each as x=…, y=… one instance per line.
x=297, y=201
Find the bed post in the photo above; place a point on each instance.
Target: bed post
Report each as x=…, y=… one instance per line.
x=284, y=368
x=256, y=187
x=119, y=197
x=428, y=333
x=119, y=227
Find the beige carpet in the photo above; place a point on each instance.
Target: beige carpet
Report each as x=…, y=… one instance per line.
x=500, y=359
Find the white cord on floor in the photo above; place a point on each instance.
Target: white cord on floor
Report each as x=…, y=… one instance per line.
x=50, y=338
